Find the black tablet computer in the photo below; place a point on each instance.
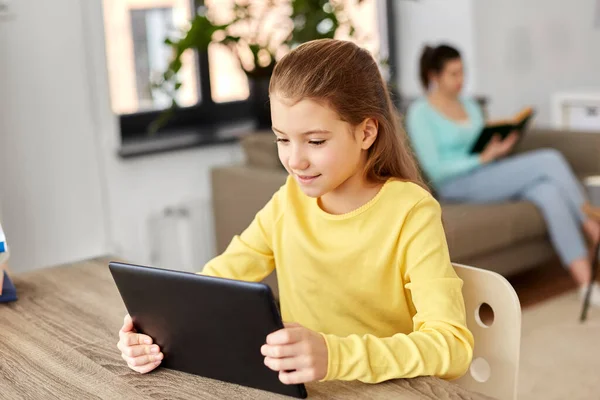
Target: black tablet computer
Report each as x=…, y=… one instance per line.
x=213, y=327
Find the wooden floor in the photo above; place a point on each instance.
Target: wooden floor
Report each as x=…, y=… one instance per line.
x=541, y=283
x=535, y=286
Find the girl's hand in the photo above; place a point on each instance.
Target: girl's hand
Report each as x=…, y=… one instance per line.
x=137, y=350
x=299, y=354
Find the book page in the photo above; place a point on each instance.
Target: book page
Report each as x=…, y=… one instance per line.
x=512, y=121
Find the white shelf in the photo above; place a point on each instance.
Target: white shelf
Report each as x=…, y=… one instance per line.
x=576, y=111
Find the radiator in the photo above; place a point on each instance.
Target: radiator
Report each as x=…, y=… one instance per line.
x=181, y=236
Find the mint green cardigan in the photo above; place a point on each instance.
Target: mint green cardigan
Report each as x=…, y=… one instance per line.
x=442, y=146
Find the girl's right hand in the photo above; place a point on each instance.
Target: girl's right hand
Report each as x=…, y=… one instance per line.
x=137, y=349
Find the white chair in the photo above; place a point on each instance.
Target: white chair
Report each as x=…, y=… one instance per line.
x=495, y=364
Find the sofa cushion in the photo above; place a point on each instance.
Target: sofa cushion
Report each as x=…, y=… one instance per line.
x=260, y=150
x=475, y=229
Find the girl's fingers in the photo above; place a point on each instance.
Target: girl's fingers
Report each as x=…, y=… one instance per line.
x=287, y=364
x=138, y=350
x=296, y=377
x=127, y=324
x=132, y=339
x=142, y=361
x=285, y=336
x=282, y=351
x=146, y=368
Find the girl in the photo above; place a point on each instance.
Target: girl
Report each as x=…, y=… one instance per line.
x=364, y=274
x=443, y=127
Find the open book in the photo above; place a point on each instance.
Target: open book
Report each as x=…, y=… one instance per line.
x=503, y=128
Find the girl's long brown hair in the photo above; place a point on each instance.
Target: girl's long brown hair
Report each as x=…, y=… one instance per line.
x=347, y=78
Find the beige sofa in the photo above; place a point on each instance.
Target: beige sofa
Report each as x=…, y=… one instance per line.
x=504, y=237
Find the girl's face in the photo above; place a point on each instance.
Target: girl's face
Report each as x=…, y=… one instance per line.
x=451, y=79
x=322, y=152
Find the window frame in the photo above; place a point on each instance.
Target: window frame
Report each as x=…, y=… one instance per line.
x=207, y=115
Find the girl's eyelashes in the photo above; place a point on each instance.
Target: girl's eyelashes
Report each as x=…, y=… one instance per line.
x=312, y=142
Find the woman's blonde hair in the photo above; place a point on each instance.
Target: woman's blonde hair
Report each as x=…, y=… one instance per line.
x=347, y=78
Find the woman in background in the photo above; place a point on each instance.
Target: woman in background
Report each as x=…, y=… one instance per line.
x=443, y=126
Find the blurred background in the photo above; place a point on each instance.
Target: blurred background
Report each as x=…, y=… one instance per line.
x=87, y=170
x=138, y=130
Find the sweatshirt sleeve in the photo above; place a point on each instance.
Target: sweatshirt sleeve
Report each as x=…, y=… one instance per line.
x=427, y=149
x=249, y=256
x=440, y=343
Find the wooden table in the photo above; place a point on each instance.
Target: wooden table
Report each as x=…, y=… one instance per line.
x=59, y=341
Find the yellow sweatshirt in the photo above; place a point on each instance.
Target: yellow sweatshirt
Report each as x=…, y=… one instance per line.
x=377, y=282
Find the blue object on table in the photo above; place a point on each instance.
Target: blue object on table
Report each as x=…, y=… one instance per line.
x=9, y=292
x=3, y=246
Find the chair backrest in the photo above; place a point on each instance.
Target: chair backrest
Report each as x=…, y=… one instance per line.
x=495, y=364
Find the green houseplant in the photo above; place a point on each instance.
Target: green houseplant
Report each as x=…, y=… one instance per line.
x=258, y=34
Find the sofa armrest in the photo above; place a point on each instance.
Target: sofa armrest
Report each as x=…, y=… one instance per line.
x=581, y=149
x=238, y=193
x=261, y=150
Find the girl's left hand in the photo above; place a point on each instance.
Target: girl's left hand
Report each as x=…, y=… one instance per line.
x=299, y=354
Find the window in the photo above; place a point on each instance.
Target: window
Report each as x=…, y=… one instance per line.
x=212, y=92
x=135, y=32
x=149, y=27
x=363, y=16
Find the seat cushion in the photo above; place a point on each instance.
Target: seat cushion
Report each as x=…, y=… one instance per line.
x=260, y=150
x=476, y=229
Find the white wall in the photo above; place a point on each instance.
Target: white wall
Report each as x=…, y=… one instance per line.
x=141, y=188
x=65, y=195
x=528, y=50
x=431, y=22
x=51, y=196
